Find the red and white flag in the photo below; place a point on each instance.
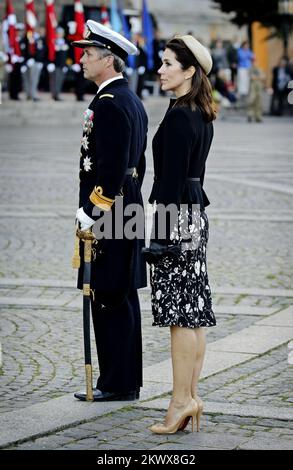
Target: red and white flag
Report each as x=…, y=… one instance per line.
x=10, y=38
x=51, y=25
x=30, y=24
x=79, y=21
x=105, y=20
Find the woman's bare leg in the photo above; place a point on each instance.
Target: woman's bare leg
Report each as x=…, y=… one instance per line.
x=183, y=351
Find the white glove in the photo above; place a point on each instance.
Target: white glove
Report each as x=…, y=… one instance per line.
x=51, y=67
x=76, y=68
x=129, y=71
x=30, y=62
x=141, y=70
x=85, y=221
x=8, y=68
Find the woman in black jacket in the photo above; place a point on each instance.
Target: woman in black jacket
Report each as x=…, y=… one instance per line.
x=181, y=295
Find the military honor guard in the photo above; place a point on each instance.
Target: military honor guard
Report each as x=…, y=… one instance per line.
x=58, y=69
x=112, y=164
x=35, y=58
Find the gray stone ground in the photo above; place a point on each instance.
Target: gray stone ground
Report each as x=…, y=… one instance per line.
x=249, y=183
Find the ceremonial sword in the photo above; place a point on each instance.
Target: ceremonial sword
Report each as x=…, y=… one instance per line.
x=87, y=236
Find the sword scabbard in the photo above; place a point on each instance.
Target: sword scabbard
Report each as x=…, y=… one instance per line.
x=89, y=382
x=87, y=251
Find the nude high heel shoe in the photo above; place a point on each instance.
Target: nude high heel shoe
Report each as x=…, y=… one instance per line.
x=199, y=412
x=198, y=416
x=189, y=412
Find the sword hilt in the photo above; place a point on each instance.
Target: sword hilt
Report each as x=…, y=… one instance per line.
x=85, y=234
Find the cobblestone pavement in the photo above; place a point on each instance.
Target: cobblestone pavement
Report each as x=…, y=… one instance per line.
x=128, y=429
x=249, y=183
x=43, y=351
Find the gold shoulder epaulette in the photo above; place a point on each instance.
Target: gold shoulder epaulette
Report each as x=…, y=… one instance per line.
x=106, y=95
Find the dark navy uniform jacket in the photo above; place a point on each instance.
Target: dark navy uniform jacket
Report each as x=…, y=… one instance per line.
x=114, y=140
x=180, y=149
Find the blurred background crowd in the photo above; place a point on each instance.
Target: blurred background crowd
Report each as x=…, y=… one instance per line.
x=251, y=45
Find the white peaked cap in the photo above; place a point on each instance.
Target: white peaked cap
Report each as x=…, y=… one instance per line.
x=98, y=35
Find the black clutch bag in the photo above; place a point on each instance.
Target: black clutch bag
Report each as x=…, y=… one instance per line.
x=157, y=251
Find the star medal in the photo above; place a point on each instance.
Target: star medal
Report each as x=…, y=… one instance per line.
x=85, y=142
x=87, y=164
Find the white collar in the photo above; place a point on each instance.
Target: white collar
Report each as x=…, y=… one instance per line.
x=106, y=82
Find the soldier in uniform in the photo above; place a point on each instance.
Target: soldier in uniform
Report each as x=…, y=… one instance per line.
x=57, y=71
x=34, y=61
x=112, y=163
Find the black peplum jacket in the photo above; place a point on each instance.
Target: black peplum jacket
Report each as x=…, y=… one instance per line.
x=180, y=149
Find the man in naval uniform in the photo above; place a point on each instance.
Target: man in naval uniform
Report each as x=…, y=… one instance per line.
x=112, y=163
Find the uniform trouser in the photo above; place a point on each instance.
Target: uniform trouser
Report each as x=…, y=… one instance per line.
x=119, y=345
x=56, y=79
x=80, y=85
x=14, y=81
x=31, y=78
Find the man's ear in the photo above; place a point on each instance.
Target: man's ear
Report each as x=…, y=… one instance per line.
x=109, y=61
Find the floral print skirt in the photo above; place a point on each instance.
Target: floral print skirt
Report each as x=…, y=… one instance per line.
x=180, y=291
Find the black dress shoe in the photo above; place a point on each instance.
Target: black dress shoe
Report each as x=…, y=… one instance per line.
x=98, y=395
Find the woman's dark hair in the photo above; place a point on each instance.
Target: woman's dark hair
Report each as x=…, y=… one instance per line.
x=200, y=93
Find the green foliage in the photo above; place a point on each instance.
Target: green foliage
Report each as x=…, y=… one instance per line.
x=245, y=13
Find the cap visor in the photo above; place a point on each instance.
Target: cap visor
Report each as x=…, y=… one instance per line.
x=86, y=43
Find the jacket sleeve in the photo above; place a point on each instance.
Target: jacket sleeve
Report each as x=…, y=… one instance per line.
x=112, y=141
x=178, y=142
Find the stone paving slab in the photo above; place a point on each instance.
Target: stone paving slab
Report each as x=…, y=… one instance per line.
x=243, y=310
x=66, y=302
x=253, y=291
x=219, y=216
x=27, y=282
x=228, y=409
x=267, y=443
x=71, y=284
x=254, y=340
x=47, y=417
x=213, y=363
x=282, y=319
x=203, y=441
x=61, y=412
x=128, y=428
x=259, y=184
x=31, y=302
x=252, y=218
